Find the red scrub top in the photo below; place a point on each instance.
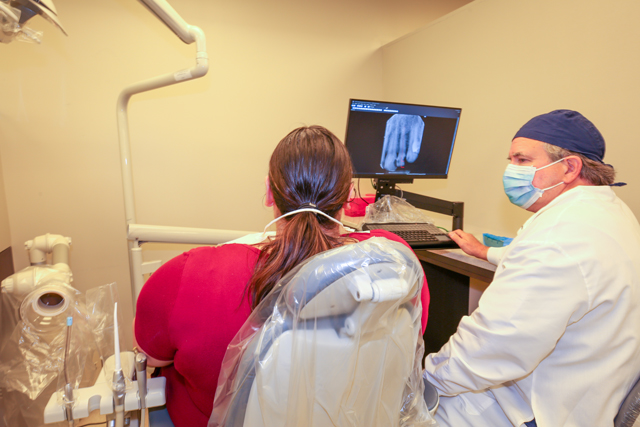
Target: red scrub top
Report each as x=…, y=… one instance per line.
x=189, y=311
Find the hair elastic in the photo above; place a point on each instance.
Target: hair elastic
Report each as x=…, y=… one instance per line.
x=308, y=210
x=307, y=205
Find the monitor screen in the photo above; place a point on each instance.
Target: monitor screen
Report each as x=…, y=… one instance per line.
x=400, y=141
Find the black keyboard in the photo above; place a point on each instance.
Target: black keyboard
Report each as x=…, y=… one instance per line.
x=417, y=235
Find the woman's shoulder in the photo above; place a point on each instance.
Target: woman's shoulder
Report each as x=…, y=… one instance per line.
x=233, y=252
x=211, y=258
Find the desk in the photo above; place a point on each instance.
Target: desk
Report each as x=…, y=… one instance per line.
x=456, y=282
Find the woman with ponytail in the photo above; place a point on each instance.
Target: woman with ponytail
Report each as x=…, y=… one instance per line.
x=191, y=308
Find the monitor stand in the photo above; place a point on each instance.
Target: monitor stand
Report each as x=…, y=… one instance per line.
x=453, y=209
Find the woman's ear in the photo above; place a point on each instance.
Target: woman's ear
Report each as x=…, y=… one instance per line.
x=268, y=202
x=352, y=193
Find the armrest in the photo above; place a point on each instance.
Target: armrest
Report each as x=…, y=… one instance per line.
x=431, y=396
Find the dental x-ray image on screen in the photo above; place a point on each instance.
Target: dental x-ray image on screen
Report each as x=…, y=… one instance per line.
x=402, y=141
x=393, y=140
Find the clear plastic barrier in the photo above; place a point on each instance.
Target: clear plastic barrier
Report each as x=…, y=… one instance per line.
x=336, y=343
x=394, y=209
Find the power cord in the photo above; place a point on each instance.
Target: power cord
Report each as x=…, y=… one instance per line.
x=359, y=193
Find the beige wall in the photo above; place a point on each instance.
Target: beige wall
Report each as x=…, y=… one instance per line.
x=5, y=231
x=505, y=61
x=199, y=149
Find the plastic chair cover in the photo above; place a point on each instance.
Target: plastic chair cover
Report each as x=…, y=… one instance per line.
x=630, y=410
x=337, y=342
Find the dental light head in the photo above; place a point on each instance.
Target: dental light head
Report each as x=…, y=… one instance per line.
x=15, y=13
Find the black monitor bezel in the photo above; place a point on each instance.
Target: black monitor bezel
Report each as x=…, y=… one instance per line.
x=398, y=176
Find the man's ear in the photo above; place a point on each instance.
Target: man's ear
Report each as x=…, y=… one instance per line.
x=268, y=201
x=574, y=167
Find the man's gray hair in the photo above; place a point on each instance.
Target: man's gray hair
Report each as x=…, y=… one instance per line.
x=595, y=172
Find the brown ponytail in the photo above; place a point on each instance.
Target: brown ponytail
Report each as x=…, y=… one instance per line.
x=310, y=165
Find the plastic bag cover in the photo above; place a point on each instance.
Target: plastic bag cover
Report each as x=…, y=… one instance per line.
x=337, y=342
x=35, y=353
x=394, y=209
x=100, y=302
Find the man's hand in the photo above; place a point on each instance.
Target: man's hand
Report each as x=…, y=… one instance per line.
x=469, y=244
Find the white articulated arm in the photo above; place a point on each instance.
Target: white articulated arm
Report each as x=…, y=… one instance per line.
x=187, y=33
x=26, y=280
x=49, y=243
x=170, y=17
x=168, y=234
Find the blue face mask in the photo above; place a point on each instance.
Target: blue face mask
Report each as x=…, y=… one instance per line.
x=518, y=184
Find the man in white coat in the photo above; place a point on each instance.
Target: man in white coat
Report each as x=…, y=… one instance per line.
x=555, y=340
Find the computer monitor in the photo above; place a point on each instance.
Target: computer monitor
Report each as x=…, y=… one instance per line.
x=400, y=142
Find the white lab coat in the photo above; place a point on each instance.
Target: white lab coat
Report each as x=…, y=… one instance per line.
x=557, y=333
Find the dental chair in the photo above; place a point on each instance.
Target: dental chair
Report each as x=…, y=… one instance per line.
x=337, y=342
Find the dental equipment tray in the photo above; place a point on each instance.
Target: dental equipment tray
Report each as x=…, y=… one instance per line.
x=417, y=235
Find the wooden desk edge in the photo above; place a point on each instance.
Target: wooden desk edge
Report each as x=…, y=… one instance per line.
x=477, y=269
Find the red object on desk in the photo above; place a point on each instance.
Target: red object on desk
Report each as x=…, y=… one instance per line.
x=358, y=206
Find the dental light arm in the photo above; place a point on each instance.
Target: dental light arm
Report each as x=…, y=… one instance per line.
x=138, y=233
x=168, y=15
x=187, y=33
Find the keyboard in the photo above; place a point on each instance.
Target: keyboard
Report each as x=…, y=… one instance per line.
x=417, y=235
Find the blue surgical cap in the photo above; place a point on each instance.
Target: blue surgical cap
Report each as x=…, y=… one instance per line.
x=566, y=129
